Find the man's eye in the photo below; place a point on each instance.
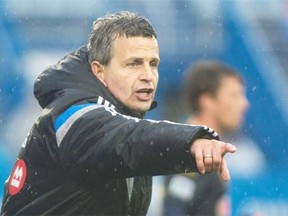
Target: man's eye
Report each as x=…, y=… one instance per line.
x=154, y=64
x=133, y=64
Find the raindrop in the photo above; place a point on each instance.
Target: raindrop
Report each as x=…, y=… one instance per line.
x=167, y=149
x=161, y=154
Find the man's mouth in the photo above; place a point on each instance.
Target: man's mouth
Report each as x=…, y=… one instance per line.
x=144, y=94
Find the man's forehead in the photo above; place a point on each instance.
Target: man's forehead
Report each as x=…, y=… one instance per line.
x=133, y=45
x=140, y=39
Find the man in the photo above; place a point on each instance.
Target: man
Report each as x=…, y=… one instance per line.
x=90, y=152
x=214, y=95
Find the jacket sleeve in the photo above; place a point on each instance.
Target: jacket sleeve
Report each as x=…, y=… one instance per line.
x=97, y=141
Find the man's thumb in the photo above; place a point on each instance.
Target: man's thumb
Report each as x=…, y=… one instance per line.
x=229, y=148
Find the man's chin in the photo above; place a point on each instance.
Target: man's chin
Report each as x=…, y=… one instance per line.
x=141, y=108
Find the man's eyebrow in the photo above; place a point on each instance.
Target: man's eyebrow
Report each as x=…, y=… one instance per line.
x=156, y=59
x=134, y=59
x=140, y=59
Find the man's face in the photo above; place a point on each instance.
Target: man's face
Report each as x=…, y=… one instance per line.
x=132, y=74
x=230, y=104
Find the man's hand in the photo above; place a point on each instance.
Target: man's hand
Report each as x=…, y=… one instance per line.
x=209, y=156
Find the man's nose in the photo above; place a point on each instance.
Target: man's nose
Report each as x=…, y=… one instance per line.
x=146, y=73
x=246, y=103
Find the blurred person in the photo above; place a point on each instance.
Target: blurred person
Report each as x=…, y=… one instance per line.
x=91, y=152
x=215, y=96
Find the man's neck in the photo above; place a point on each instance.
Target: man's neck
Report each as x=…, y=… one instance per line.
x=204, y=120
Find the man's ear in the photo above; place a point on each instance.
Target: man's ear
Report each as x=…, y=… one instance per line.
x=205, y=102
x=98, y=70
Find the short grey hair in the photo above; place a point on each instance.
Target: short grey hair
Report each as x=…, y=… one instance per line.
x=107, y=28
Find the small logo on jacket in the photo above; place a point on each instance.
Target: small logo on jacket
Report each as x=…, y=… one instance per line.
x=17, y=177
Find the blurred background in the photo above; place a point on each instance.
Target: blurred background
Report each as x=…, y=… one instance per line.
x=252, y=36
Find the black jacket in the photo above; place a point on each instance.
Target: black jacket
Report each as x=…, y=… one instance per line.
x=86, y=146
